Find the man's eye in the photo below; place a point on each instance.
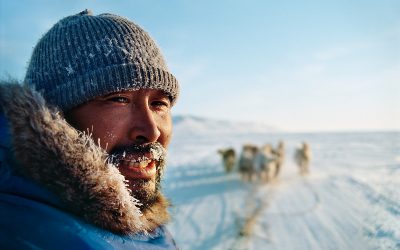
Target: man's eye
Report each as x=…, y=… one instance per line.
x=118, y=99
x=161, y=104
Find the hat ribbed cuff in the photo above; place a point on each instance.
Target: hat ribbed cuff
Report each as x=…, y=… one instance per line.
x=111, y=79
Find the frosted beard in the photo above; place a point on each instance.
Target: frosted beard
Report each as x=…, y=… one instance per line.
x=144, y=189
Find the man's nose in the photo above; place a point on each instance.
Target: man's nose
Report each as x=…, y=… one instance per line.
x=144, y=129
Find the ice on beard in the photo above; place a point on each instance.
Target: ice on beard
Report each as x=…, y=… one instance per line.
x=157, y=153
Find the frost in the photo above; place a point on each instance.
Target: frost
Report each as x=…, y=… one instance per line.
x=157, y=152
x=69, y=70
x=138, y=153
x=107, y=53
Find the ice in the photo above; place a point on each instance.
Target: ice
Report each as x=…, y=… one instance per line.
x=69, y=70
x=350, y=200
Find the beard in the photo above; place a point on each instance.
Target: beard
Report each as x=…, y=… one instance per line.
x=147, y=191
x=144, y=190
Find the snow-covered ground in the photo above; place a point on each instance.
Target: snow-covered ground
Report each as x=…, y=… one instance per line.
x=351, y=199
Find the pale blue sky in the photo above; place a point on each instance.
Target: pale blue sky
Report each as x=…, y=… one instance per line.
x=297, y=65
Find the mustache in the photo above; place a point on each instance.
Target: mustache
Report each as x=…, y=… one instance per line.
x=156, y=151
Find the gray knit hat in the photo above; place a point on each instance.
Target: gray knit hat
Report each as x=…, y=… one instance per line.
x=84, y=56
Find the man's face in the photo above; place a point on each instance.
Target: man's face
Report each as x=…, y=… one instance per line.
x=134, y=127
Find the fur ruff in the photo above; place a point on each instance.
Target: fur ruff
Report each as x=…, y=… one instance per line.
x=70, y=164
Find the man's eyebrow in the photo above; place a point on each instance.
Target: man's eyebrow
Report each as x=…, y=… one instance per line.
x=167, y=96
x=111, y=94
x=160, y=94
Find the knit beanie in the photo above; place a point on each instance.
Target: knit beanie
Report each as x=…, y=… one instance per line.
x=85, y=56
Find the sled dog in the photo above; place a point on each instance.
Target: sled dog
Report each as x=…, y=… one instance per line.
x=266, y=163
x=279, y=153
x=247, y=162
x=302, y=157
x=228, y=158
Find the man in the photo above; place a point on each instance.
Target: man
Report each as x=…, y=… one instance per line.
x=82, y=147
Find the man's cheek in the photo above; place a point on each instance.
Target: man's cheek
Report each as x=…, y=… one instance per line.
x=106, y=137
x=110, y=136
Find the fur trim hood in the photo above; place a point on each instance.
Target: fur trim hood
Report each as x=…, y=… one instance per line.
x=69, y=164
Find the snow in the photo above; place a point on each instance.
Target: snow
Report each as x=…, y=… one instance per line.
x=187, y=125
x=69, y=69
x=350, y=200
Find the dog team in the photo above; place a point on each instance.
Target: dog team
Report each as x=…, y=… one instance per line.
x=264, y=163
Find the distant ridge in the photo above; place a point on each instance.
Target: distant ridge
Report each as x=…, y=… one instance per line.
x=188, y=124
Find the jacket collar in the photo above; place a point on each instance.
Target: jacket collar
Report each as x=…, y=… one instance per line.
x=69, y=164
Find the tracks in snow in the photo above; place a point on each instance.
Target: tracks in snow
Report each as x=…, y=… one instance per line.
x=259, y=202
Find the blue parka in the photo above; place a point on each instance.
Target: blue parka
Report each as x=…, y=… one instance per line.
x=43, y=206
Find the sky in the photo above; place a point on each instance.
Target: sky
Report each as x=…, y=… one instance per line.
x=299, y=66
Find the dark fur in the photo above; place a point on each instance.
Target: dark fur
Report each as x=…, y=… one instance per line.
x=247, y=159
x=228, y=158
x=303, y=157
